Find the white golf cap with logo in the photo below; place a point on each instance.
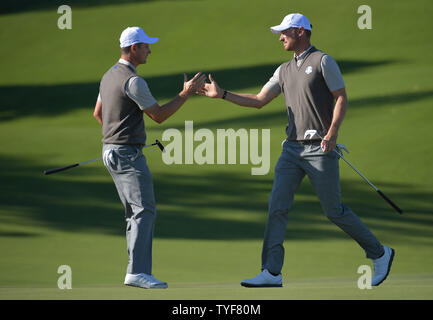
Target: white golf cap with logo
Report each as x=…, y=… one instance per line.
x=293, y=20
x=133, y=35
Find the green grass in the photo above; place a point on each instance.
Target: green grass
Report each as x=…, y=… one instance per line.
x=211, y=219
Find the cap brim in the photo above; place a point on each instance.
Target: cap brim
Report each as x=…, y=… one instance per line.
x=151, y=40
x=278, y=29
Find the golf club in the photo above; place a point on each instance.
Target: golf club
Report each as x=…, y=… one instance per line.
x=51, y=171
x=309, y=134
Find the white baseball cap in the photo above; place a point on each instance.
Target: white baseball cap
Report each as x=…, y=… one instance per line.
x=293, y=20
x=133, y=35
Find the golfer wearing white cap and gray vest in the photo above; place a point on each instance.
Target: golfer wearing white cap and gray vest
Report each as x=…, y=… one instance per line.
x=315, y=98
x=123, y=97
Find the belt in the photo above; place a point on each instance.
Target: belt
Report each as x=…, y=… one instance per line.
x=306, y=142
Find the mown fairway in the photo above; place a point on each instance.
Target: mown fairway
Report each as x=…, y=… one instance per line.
x=211, y=218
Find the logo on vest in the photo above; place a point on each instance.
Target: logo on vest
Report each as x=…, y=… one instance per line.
x=309, y=70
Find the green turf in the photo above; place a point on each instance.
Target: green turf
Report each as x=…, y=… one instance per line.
x=210, y=218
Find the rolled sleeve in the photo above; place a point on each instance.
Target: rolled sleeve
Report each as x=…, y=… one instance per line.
x=331, y=73
x=274, y=82
x=137, y=89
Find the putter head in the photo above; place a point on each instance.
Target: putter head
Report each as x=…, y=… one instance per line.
x=342, y=147
x=310, y=134
x=160, y=146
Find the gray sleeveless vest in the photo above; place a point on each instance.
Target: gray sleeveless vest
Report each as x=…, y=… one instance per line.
x=122, y=119
x=309, y=102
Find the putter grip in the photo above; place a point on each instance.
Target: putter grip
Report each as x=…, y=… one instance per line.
x=390, y=202
x=160, y=146
x=60, y=169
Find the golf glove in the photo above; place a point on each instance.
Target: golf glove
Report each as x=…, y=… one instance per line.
x=108, y=158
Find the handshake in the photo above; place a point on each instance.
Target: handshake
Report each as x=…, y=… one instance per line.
x=198, y=85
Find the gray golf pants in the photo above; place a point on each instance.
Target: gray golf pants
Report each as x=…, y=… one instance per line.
x=322, y=169
x=128, y=168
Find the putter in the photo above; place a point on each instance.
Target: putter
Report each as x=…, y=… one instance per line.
x=309, y=134
x=51, y=171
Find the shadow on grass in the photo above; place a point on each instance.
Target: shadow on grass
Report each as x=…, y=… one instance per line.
x=32, y=5
x=53, y=100
x=253, y=118
x=214, y=206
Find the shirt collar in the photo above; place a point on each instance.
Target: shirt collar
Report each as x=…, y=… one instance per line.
x=129, y=64
x=303, y=54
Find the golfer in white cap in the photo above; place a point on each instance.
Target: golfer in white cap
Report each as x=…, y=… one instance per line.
x=315, y=99
x=123, y=97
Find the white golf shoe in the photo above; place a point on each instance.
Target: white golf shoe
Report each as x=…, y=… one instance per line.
x=382, y=265
x=263, y=279
x=146, y=281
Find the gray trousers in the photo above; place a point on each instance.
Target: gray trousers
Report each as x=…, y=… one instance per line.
x=322, y=169
x=128, y=168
